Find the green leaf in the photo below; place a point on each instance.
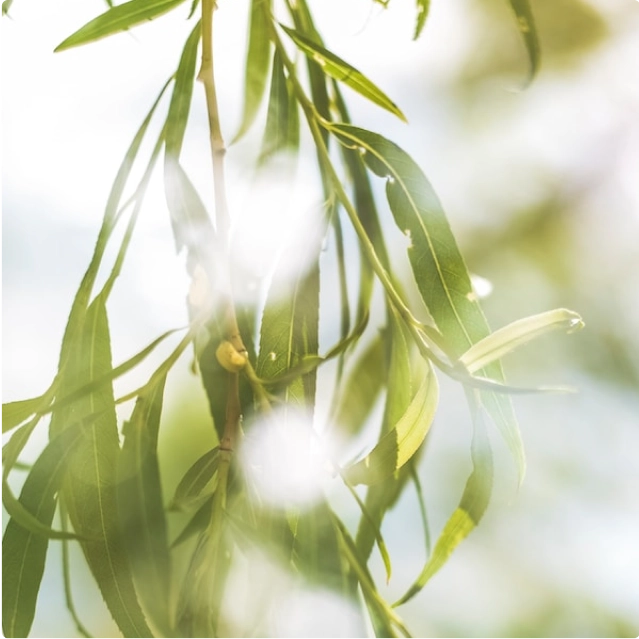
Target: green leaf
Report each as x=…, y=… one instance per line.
x=195, y=480
x=468, y=514
x=181, y=97
x=141, y=510
x=89, y=490
x=423, y=7
x=116, y=19
x=282, y=122
x=257, y=63
x=6, y=6
x=508, y=338
x=197, y=523
x=24, y=549
x=528, y=30
x=438, y=266
x=15, y=413
x=396, y=447
x=340, y=70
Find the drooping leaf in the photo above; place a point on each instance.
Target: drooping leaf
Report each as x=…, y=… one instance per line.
x=24, y=549
x=141, y=509
x=180, y=105
x=118, y=18
x=396, y=447
x=528, y=31
x=281, y=133
x=257, y=63
x=15, y=413
x=195, y=480
x=438, y=267
x=423, y=6
x=520, y=332
x=338, y=69
x=471, y=508
x=89, y=489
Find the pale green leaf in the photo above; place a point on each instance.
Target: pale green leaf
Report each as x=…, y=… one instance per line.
x=195, y=480
x=89, y=490
x=141, y=509
x=180, y=105
x=397, y=446
x=15, y=413
x=26, y=538
x=520, y=332
x=438, y=266
x=528, y=31
x=119, y=18
x=340, y=70
x=6, y=6
x=468, y=514
x=257, y=63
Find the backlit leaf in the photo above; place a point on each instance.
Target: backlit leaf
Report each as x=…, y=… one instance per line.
x=195, y=480
x=438, y=267
x=340, y=70
x=14, y=413
x=257, y=63
x=141, y=509
x=528, y=31
x=423, y=7
x=118, y=18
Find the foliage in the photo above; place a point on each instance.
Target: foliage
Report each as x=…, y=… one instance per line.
x=257, y=362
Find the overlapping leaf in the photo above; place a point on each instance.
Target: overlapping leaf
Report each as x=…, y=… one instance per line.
x=118, y=18
x=337, y=68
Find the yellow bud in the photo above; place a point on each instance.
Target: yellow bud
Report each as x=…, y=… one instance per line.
x=230, y=358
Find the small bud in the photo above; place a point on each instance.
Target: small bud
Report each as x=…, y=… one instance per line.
x=230, y=358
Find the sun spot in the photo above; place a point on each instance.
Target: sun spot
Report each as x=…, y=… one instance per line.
x=272, y=356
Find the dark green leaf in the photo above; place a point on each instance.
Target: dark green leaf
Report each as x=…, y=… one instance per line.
x=197, y=523
x=24, y=549
x=195, y=480
x=141, y=509
x=438, y=267
x=257, y=63
x=337, y=68
x=528, y=30
x=119, y=18
x=471, y=508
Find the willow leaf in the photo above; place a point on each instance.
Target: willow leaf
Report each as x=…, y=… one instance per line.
x=89, y=490
x=517, y=333
x=197, y=523
x=468, y=514
x=25, y=542
x=438, y=266
x=180, y=105
x=195, y=480
x=340, y=70
x=423, y=7
x=257, y=63
x=140, y=507
x=528, y=31
x=15, y=413
x=118, y=18
x=396, y=447
x=280, y=133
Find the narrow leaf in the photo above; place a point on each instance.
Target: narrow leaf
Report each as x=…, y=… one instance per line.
x=15, y=413
x=423, y=6
x=118, y=18
x=468, y=514
x=438, y=266
x=195, y=480
x=528, y=30
x=141, y=509
x=401, y=443
x=24, y=549
x=520, y=332
x=340, y=70
x=257, y=63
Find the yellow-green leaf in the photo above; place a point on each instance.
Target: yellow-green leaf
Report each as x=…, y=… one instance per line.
x=528, y=31
x=118, y=18
x=340, y=70
x=14, y=413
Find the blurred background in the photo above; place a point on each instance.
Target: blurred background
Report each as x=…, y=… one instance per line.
x=540, y=185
